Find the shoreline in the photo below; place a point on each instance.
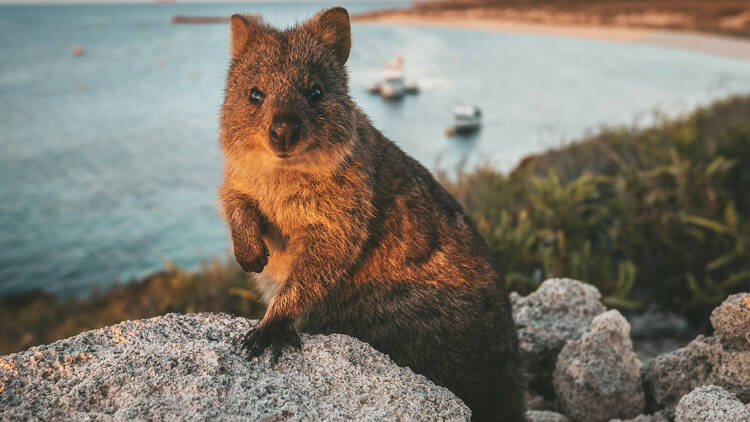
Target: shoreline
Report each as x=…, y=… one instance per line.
x=706, y=43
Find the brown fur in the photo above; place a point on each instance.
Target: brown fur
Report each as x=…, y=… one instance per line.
x=351, y=235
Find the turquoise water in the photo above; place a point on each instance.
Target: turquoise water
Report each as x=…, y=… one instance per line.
x=109, y=162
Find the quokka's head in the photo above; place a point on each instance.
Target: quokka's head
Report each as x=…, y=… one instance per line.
x=286, y=99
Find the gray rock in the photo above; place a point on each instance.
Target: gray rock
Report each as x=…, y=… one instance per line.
x=545, y=416
x=710, y=404
x=703, y=361
x=731, y=320
x=537, y=402
x=670, y=376
x=558, y=311
x=731, y=370
x=189, y=367
x=656, y=417
x=598, y=377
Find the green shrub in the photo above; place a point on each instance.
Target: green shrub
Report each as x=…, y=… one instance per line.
x=657, y=215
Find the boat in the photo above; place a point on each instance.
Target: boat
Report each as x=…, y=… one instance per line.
x=466, y=119
x=393, y=85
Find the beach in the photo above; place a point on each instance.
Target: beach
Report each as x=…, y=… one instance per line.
x=702, y=42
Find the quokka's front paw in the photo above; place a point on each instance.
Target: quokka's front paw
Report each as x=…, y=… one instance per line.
x=252, y=260
x=276, y=334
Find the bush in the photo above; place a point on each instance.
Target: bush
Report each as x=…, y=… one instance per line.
x=657, y=215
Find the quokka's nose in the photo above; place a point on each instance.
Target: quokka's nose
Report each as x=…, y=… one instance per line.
x=284, y=132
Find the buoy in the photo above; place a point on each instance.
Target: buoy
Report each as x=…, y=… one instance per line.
x=78, y=51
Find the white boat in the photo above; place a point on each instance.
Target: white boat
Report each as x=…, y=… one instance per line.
x=392, y=88
x=466, y=119
x=393, y=85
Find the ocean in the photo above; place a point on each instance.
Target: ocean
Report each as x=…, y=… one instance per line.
x=109, y=162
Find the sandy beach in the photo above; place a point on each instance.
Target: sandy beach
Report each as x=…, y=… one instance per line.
x=720, y=45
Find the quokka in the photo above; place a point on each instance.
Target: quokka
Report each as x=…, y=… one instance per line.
x=349, y=234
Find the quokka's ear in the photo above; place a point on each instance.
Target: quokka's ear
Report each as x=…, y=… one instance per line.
x=242, y=30
x=332, y=26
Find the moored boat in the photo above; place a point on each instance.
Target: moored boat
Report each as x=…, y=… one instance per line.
x=466, y=119
x=393, y=85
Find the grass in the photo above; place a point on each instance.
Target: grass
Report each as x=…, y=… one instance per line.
x=649, y=216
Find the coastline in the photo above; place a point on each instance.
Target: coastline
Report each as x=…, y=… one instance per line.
x=706, y=43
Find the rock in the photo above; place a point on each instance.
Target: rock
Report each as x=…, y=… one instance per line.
x=598, y=377
x=710, y=404
x=703, y=361
x=731, y=320
x=189, y=367
x=545, y=416
x=537, y=402
x=656, y=417
x=731, y=370
x=668, y=377
x=558, y=311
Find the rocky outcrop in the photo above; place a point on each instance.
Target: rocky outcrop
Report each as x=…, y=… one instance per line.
x=717, y=360
x=189, y=367
x=702, y=362
x=560, y=310
x=710, y=404
x=598, y=377
x=731, y=321
x=670, y=376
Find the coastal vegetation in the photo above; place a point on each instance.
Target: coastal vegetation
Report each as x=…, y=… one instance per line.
x=650, y=216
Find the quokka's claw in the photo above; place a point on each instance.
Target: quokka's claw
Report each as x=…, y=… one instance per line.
x=276, y=334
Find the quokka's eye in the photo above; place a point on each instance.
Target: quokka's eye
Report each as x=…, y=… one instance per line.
x=256, y=96
x=315, y=93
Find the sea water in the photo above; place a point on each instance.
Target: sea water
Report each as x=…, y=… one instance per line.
x=109, y=162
